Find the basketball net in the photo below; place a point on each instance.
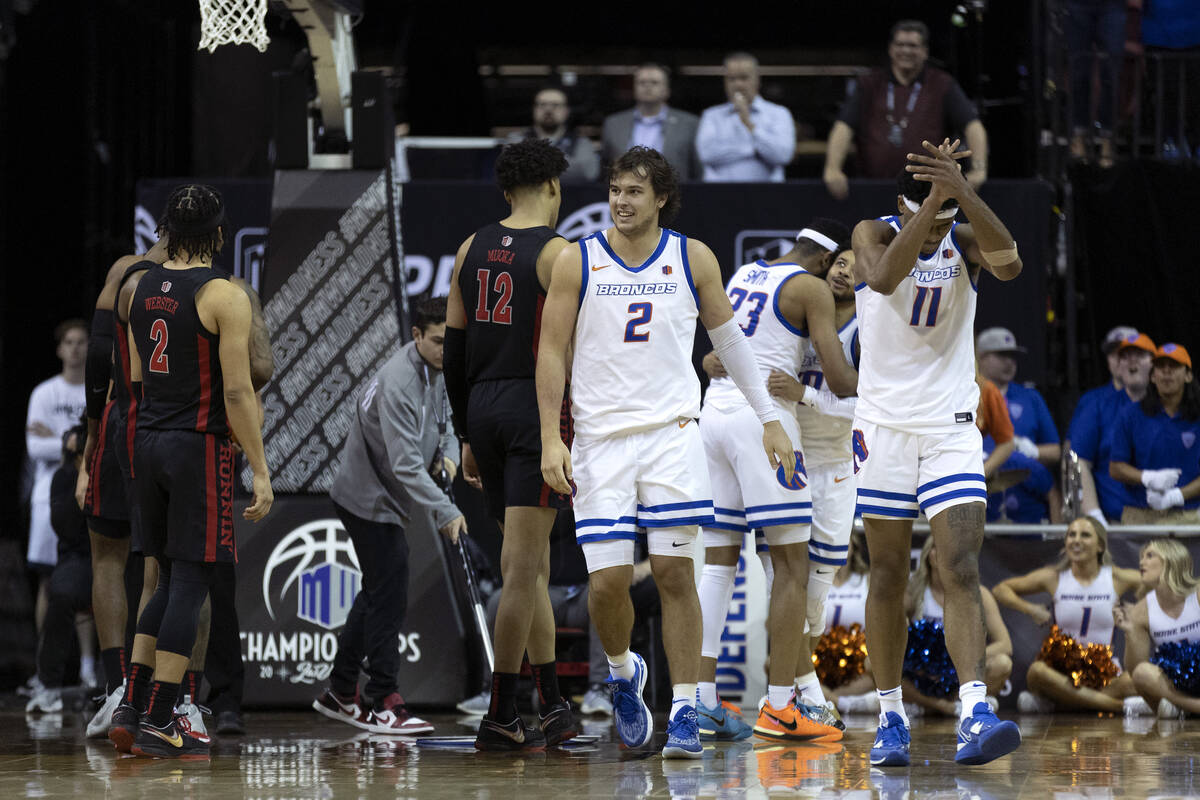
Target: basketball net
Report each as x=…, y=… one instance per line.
x=233, y=22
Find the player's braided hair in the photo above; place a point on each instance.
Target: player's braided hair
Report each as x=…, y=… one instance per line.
x=528, y=163
x=646, y=162
x=193, y=221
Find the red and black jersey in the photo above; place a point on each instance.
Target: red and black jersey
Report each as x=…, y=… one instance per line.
x=503, y=300
x=182, y=387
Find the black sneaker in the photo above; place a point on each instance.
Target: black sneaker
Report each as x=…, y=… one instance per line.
x=124, y=727
x=177, y=740
x=516, y=735
x=229, y=723
x=558, y=724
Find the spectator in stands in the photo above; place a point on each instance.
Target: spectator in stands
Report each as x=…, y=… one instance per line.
x=1154, y=445
x=551, y=112
x=70, y=585
x=995, y=425
x=888, y=112
x=747, y=139
x=1036, y=438
x=654, y=124
x=1090, y=433
x=1171, y=28
x=1100, y=23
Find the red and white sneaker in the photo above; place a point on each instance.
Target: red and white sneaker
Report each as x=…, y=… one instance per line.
x=393, y=719
x=344, y=709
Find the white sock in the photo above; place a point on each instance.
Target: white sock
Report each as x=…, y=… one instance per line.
x=808, y=688
x=708, y=694
x=716, y=590
x=891, y=700
x=682, y=694
x=622, y=666
x=970, y=693
x=779, y=696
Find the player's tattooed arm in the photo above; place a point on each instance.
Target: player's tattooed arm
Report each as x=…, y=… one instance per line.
x=262, y=360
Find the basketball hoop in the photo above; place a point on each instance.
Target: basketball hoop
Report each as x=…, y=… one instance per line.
x=233, y=22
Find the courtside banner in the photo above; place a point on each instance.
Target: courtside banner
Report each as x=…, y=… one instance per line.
x=328, y=302
x=297, y=577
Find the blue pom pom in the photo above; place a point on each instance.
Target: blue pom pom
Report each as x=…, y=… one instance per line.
x=927, y=662
x=1180, y=662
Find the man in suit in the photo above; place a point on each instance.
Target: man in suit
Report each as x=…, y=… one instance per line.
x=652, y=123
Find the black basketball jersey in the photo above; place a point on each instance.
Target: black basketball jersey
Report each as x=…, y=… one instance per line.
x=181, y=366
x=503, y=300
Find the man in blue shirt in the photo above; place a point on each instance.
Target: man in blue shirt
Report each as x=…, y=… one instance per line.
x=1090, y=434
x=1036, y=438
x=747, y=139
x=1154, y=446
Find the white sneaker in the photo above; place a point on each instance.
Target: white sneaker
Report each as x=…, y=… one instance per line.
x=1137, y=706
x=865, y=703
x=97, y=728
x=597, y=701
x=1168, y=710
x=913, y=710
x=45, y=701
x=194, y=714
x=993, y=703
x=477, y=705
x=1030, y=703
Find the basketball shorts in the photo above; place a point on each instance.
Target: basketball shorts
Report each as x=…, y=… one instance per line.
x=506, y=440
x=655, y=479
x=900, y=474
x=106, y=505
x=748, y=493
x=833, y=493
x=184, y=495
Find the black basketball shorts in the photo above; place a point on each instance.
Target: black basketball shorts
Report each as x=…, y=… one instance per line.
x=106, y=504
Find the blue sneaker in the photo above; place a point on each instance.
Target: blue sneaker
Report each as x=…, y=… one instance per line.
x=683, y=735
x=891, y=743
x=721, y=723
x=983, y=737
x=632, y=717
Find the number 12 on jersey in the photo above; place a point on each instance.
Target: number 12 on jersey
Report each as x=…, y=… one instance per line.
x=935, y=300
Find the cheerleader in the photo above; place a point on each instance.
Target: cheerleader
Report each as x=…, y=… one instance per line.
x=1086, y=589
x=1167, y=620
x=924, y=603
x=845, y=607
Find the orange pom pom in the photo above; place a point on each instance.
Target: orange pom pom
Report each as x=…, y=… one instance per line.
x=1089, y=665
x=840, y=655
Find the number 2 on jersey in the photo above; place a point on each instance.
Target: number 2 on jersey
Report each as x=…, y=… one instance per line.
x=501, y=313
x=643, y=310
x=158, y=358
x=935, y=300
x=738, y=296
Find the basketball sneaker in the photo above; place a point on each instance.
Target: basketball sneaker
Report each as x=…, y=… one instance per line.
x=516, y=735
x=891, y=743
x=558, y=723
x=683, y=735
x=792, y=723
x=176, y=740
x=344, y=709
x=635, y=725
x=722, y=724
x=792, y=768
x=824, y=713
x=45, y=701
x=597, y=701
x=194, y=714
x=97, y=727
x=983, y=737
x=123, y=729
x=392, y=718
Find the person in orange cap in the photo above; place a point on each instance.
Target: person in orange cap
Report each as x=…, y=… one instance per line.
x=1155, y=448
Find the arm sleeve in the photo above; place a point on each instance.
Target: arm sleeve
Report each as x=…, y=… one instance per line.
x=454, y=370
x=40, y=448
x=400, y=418
x=959, y=109
x=775, y=135
x=737, y=356
x=98, y=368
x=449, y=442
x=851, y=111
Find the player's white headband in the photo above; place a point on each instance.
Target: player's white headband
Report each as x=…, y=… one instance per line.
x=945, y=213
x=818, y=237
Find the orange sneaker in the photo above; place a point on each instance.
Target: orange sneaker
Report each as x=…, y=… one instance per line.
x=796, y=767
x=792, y=724
x=731, y=708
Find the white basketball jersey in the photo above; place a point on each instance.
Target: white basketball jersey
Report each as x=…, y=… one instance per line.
x=1086, y=612
x=1164, y=628
x=754, y=295
x=826, y=438
x=634, y=336
x=847, y=604
x=918, y=349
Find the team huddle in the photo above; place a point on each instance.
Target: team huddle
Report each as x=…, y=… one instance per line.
x=843, y=378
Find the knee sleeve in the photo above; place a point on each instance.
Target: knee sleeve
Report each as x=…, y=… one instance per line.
x=716, y=589
x=764, y=557
x=818, y=589
x=150, y=620
x=189, y=586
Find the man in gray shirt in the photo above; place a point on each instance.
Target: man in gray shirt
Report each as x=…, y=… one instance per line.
x=401, y=440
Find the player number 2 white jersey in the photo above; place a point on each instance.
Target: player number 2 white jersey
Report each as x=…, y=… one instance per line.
x=826, y=438
x=634, y=337
x=918, y=351
x=754, y=295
